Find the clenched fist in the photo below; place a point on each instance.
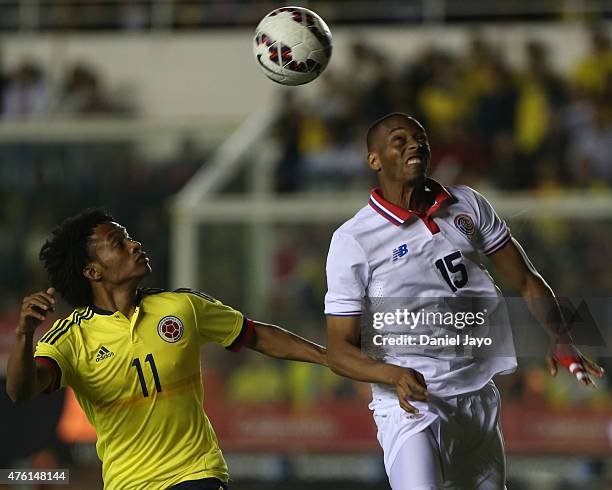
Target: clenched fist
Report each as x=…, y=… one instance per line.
x=34, y=311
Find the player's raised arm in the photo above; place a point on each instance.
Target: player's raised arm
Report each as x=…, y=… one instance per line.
x=512, y=262
x=277, y=342
x=25, y=378
x=345, y=358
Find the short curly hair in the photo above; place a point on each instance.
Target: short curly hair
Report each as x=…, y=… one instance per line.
x=66, y=254
x=372, y=133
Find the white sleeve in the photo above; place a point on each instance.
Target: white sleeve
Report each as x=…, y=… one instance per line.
x=347, y=276
x=493, y=233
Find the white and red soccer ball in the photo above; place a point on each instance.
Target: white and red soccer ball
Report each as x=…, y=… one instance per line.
x=292, y=45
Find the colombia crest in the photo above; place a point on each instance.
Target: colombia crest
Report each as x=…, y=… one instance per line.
x=170, y=328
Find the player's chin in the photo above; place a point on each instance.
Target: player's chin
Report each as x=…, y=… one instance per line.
x=415, y=178
x=145, y=269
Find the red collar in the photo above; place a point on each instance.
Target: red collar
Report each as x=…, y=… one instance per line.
x=398, y=215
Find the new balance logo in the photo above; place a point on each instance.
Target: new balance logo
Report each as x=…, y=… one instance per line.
x=399, y=252
x=103, y=353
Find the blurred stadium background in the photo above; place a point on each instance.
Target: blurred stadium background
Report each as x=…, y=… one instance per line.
x=156, y=110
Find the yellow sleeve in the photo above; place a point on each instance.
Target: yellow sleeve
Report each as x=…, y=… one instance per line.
x=216, y=322
x=55, y=349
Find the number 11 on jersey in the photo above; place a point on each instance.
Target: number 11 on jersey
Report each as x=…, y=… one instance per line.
x=143, y=383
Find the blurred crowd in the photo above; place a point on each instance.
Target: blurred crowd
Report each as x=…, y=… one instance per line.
x=526, y=127
x=43, y=181
x=84, y=15
x=28, y=93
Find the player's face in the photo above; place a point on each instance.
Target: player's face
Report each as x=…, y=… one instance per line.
x=402, y=152
x=118, y=258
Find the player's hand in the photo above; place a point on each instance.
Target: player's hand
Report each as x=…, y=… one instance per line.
x=34, y=310
x=409, y=384
x=568, y=356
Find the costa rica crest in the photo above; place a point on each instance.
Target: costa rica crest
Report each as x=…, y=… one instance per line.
x=465, y=224
x=170, y=329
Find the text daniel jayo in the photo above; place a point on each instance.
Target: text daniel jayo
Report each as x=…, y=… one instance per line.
x=446, y=340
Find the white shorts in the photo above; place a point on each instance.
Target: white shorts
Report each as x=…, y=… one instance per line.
x=453, y=443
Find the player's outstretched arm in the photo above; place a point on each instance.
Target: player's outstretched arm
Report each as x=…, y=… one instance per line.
x=512, y=262
x=345, y=358
x=280, y=343
x=26, y=379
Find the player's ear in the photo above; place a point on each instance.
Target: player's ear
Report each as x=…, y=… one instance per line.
x=374, y=161
x=92, y=272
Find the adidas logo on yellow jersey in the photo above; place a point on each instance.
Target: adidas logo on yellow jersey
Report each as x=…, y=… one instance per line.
x=104, y=353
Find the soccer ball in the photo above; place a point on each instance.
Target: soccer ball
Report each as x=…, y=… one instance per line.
x=292, y=45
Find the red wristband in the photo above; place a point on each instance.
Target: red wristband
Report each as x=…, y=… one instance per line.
x=567, y=356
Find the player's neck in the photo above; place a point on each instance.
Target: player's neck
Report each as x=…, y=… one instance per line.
x=412, y=198
x=122, y=299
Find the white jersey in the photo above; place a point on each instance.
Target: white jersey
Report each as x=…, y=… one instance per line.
x=386, y=257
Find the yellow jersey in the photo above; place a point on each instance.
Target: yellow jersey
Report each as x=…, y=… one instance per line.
x=139, y=382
